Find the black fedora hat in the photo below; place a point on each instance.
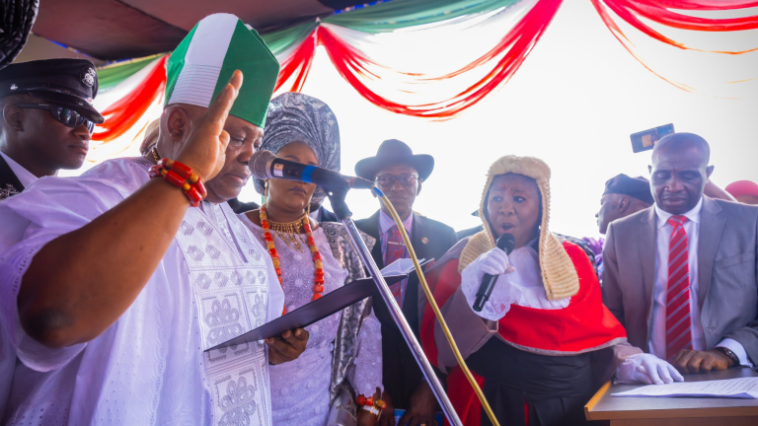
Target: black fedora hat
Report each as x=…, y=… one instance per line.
x=390, y=152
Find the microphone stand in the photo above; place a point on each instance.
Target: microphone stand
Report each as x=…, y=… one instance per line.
x=337, y=198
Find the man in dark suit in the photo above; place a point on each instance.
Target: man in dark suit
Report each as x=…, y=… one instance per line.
x=47, y=119
x=681, y=274
x=400, y=175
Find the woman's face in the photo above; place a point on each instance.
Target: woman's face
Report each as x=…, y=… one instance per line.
x=513, y=207
x=289, y=195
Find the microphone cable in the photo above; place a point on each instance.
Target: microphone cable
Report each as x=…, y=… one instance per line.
x=435, y=308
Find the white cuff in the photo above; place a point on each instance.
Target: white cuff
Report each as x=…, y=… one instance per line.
x=499, y=302
x=738, y=350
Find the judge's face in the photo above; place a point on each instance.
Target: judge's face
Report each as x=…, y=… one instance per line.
x=244, y=140
x=288, y=195
x=513, y=207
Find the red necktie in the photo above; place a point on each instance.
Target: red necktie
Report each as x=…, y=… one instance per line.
x=395, y=251
x=678, y=319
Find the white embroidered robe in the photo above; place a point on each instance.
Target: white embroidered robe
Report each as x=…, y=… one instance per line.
x=215, y=282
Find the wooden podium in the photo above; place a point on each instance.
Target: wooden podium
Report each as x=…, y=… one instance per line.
x=649, y=411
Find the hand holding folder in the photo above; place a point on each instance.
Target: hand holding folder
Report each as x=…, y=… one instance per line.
x=318, y=309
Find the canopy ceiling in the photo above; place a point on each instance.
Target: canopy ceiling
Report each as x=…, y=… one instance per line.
x=124, y=29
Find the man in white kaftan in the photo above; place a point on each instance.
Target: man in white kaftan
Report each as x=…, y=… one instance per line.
x=145, y=362
x=214, y=283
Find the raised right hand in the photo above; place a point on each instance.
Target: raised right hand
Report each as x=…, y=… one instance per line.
x=205, y=149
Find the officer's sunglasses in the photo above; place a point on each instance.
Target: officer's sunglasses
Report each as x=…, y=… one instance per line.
x=69, y=117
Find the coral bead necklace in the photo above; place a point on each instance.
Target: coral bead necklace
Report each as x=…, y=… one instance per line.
x=318, y=280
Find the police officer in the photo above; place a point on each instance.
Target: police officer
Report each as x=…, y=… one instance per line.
x=47, y=119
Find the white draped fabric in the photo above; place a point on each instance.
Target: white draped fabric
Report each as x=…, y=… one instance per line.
x=149, y=367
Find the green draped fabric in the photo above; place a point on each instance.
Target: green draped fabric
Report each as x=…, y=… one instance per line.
x=386, y=17
x=115, y=74
x=279, y=41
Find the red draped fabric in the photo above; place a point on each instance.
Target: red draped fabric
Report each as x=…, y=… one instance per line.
x=367, y=75
x=660, y=12
x=509, y=53
x=298, y=64
x=124, y=113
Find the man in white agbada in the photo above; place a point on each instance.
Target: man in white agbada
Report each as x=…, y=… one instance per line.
x=112, y=286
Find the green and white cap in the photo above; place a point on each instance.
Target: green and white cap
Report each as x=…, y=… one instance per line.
x=204, y=61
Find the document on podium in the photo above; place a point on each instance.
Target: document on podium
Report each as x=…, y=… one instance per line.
x=328, y=304
x=746, y=388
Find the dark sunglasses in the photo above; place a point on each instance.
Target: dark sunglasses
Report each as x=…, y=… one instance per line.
x=67, y=116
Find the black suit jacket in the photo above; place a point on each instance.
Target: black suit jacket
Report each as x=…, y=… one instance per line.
x=326, y=215
x=9, y=183
x=400, y=374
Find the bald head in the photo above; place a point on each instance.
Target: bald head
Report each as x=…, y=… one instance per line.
x=679, y=143
x=679, y=172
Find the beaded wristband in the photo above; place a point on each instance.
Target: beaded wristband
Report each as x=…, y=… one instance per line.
x=180, y=176
x=375, y=407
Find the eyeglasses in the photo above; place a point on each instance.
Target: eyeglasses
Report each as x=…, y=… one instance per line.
x=65, y=115
x=408, y=180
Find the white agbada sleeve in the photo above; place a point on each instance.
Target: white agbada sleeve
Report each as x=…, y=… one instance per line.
x=150, y=363
x=49, y=208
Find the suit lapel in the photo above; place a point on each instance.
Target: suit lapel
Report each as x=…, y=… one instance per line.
x=418, y=234
x=646, y=249
x=411, y=294
x=711, y=227
x=372, y=228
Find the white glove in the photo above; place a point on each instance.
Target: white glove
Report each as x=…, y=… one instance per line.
x=648, y=369
x=494, y=262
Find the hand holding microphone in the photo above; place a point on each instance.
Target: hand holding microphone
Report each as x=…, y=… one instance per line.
x=492, y=264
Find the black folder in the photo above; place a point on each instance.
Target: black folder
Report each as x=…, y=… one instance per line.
x=309, y=313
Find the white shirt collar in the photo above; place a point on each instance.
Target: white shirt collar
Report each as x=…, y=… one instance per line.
x=692, y=215
x=24, y=176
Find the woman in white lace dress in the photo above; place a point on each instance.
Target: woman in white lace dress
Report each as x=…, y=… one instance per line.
x=343, y=357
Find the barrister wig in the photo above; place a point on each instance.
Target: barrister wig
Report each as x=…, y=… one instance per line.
x=558, y=273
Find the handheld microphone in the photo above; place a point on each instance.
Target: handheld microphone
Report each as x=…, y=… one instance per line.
x=506, y=242
x=266, y=165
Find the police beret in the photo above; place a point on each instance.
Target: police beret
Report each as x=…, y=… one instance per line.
x=637, y=187
x=68, y=82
